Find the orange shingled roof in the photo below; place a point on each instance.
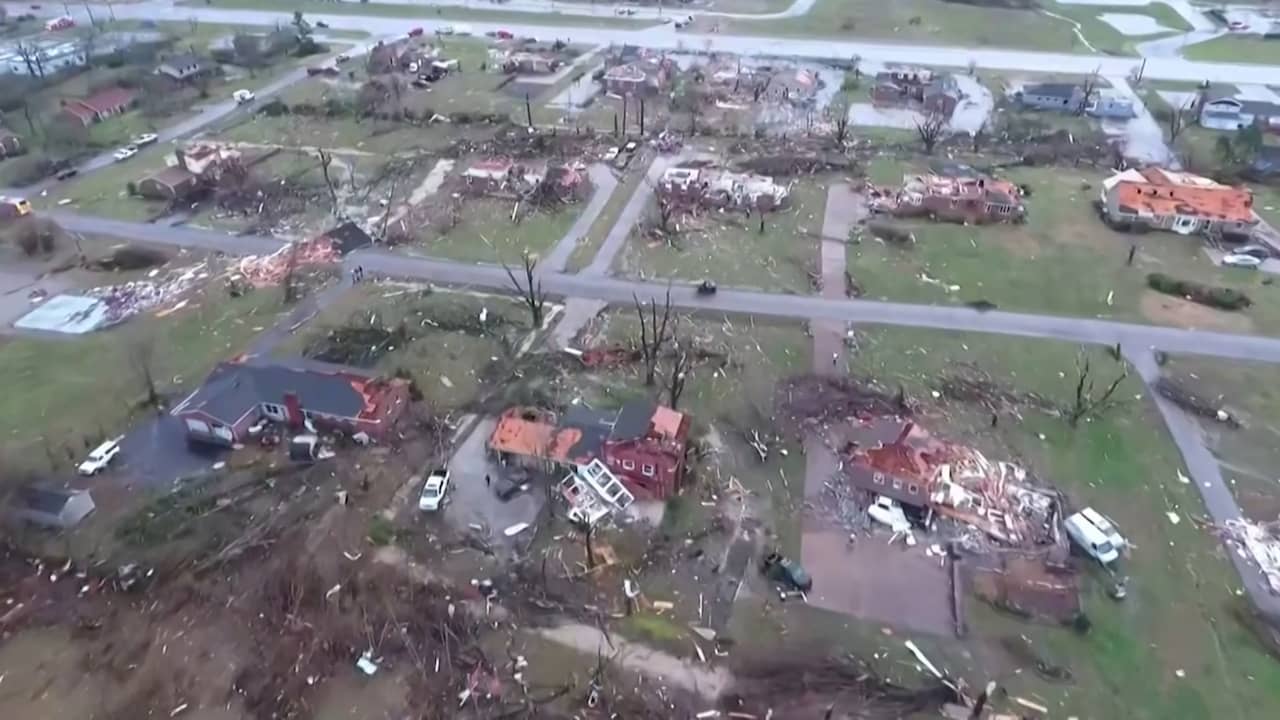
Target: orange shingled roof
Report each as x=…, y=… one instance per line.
x=666, y=421
x=516, y=435
x=1219, y=203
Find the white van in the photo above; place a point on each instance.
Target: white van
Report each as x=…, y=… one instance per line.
x=1096, y=535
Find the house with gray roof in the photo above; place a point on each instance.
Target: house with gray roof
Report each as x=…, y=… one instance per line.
x=50, y=507
x=1065, y=97
x=1232, y=113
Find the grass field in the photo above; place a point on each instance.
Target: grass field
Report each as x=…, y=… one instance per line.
x=447, y=361
x=1235, y=48
x=65, y=389
x=944, y=23
x=730, y=249
x=425, y=12
x=487, y=234
x=1063, y=260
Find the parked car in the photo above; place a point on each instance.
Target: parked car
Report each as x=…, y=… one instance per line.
x=707, y=287
x=66, y=173
x=1096, y=535
x=508, y=487
x=1238, y=26
x=786, y=571
x=125, y=153
x=143, y=139
x=888, y=512
x=504, y=35
x=341, y=58
x=243, y=96
x=1258, y=251
x=416, y=32
x=322, y=24
x=1241, y=261
x=100, y=457
x=461, y=29
x=433, y=490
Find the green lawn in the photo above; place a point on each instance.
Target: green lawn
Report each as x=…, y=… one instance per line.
x=1063, y=261
x=1109, y=40
x=447, y=362
x=104, y=192
x=1235, y=49
x=68, y=389
x=426, y=12
x=487, y=234
x=730, y=249
x=945, y=23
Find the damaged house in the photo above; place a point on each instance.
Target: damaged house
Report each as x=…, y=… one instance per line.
x=643, y=443
x=974, y=200
x=916, y=89
x=643, y=76
x=193, y=167
x=902, y=461
x=1159, y=199
x=237, y=395
x=718, y=187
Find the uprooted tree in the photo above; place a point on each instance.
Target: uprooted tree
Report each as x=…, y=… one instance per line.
x=530, y=291
x=654, y=334
x=931, y=131
x=1087, y=403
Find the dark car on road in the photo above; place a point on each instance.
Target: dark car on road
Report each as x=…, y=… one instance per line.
x=508, y=487
x=785, y=571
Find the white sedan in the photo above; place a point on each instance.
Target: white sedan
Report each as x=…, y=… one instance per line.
x=1240, y=260
x=144, y=139
x=100, y=457
x=125, y=153
x=433, y=491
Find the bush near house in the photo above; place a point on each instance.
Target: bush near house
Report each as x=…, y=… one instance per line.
x=1222, y=298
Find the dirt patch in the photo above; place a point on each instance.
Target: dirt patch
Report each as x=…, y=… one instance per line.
x=1177, y=312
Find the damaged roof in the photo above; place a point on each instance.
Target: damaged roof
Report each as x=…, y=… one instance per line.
x=1158, y=192
x=583, y=431
x=234, y=389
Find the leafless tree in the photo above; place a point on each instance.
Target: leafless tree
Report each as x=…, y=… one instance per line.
x=290, y=281
x=680, y=366
x=1178, y=118
x=931, y=130
x=326, y=159
x=530, y=291
x=654, y=334
x=141, y=355
x=1087, y=403
x=33, y=57
x=838, y=112
x=1087, y=88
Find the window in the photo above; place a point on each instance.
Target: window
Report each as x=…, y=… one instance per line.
x=628, y=464
x=913, y=488
x=647, y=469
x=897, y=484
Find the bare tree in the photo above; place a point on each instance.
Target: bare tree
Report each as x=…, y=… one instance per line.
x=979, y=136
x=530, y=291
x=326, y=159
x=1087, y=88
x=1087, y=403
x=679, y=371
x=141, y=350
x=654, y=334
x=1178, y=119
x=931, y=130
x=32, y=57
x=290, y=280
x=838, y=111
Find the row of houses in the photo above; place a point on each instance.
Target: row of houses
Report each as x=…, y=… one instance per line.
x=1071, y=98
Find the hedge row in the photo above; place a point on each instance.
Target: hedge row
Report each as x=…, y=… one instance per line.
x=1222, y=298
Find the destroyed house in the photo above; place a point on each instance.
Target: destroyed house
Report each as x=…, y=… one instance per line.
x=971, y=200
x=238, y=395
x=724, y=188
x=1180, y=202
x=641, y=77
x=490, y=174
x=642, y=443
x=898, y=459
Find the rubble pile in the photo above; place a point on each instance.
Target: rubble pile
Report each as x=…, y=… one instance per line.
x=269, y=270
x=1260, y=543
x=976, y=387
x=825, y=400
x=123, y=301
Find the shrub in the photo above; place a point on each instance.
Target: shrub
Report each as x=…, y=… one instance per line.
x=1222, y=298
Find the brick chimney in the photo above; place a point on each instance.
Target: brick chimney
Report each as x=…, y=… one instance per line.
x=293, y=410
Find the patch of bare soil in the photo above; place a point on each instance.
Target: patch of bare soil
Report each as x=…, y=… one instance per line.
x=1177, y=312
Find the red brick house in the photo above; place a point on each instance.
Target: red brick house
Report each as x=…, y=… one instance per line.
x=643, y=443
x=99, y=106
x=236, y=395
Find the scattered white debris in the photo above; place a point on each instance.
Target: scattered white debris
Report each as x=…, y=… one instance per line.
x=1173, y=517
x=1183, y=478
x=516, y=529
x=366, y=664
x=1259, y=544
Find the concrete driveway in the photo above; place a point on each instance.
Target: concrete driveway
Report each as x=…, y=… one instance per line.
x=473, y=502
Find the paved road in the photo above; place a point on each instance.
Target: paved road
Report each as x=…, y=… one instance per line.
x=610, y=9
x=1206, y=473
x=619, y=290
x=665, y=37
x=630, y=217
